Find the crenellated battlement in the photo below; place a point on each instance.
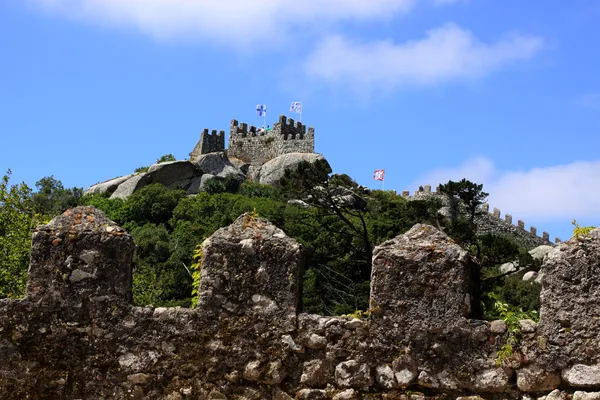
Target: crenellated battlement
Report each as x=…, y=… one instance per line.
x=76, y=334
x=209, y=143
x=257, y=145
x=491, y=222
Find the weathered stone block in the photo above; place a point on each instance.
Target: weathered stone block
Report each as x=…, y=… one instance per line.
x=586, y=395
x=493, y=380
x=311, y=394
x=353, y=374
x=251, y=268
x=384, y=375
x=420, y=281
x=570, y=300
x=498, y=326
x=88, y=250
x=582, y=376
x=537, y=379
x=316, y=373
x=348, y=394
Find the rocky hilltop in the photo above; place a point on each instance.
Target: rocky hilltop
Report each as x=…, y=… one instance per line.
x=261, y=156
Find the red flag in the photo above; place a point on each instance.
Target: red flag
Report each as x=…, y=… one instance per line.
x=378, y=174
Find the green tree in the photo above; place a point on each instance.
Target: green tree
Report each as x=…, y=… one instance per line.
x=490, y=251
x=112, y=208
x=153, y=203
x=17, y=218
x=333, y=196
x=52, y=199
x=465, y=199
x=166, y=158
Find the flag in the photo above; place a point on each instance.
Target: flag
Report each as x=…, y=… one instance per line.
x=378, y=174
x=261, y=110
x=296, y=107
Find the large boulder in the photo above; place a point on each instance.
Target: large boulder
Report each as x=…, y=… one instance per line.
x=132, y=184
x=108, y=186
x=538, y=253
x=173, y=174
x=242, y=165
x=272, y=171
x=218, y=164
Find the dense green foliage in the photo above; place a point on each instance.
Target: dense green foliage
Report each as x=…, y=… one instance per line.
x=16, y=220
x=52, y=198
x=339, y=225
x=21, y=210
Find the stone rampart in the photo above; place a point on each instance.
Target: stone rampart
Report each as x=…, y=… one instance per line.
x=491, y=222
x=76, y=336
x=256, y=148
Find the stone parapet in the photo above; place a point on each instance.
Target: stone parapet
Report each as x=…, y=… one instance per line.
x=76, y=336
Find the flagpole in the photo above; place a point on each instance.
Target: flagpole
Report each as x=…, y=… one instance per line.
x=265, y=119
x=301, y=109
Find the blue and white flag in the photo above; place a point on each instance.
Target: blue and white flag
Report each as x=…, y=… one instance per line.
x=261, y=110
x=296, y=107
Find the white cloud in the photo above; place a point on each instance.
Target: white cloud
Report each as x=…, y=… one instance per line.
x=553, y=193
x=478, y=170
x=238, y=22
x=446, y=53
x=591, y=100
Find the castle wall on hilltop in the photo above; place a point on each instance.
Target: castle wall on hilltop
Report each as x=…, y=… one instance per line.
x=491, y=222
x=247, y=144
x=287, y=136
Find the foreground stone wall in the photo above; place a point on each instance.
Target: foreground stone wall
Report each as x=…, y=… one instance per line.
x=76, y=335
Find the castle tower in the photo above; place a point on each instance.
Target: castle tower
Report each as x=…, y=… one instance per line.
x=208, y=143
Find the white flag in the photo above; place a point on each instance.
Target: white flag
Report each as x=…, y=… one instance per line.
x=296, y=107
x=261, y=110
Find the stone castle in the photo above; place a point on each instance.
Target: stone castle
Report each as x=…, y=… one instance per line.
x=257, y=146
x=77, y=336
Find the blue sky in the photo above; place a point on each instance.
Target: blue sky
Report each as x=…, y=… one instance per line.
x=505, y=92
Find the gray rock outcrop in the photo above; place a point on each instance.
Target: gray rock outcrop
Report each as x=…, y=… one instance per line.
x=173, y=174
x=108, y=186
x=131, y=185
x=218, y=164
x=272, y=171
x=538, y=253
